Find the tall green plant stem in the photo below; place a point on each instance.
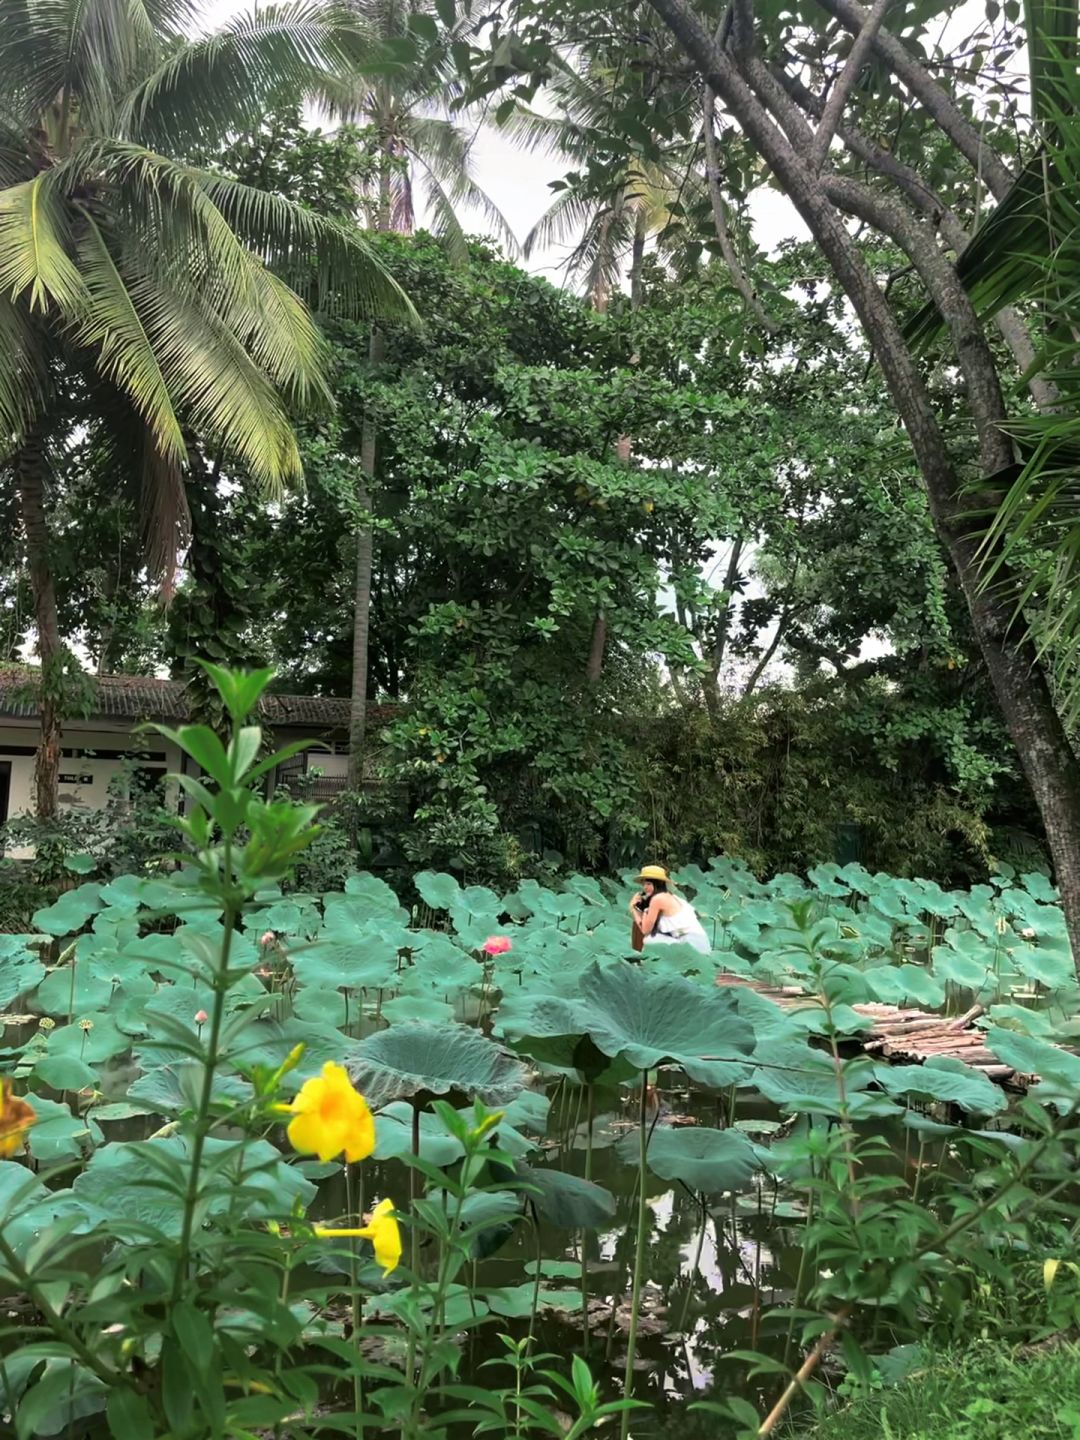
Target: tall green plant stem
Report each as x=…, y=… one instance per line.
x=639, y=1251
x=202, y=1116
x=356, y=1217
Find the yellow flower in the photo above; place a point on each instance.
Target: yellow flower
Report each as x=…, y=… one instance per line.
x=382, y=1230
x=16, y=1117
x=330, y=1116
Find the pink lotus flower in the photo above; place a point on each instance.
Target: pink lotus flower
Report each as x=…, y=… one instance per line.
x=201, y=1017
x=268, y=938
x=497, y=945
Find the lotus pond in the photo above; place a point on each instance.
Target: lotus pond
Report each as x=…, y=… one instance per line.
x=589, y=1072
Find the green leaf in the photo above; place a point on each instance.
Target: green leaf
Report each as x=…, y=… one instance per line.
x=440, y=892
x=128, y=1415
x=64, y=1072
x=709, y=1161
x=413, y=1059
x=945, y=1079
x=57, y=1134
x=70, y=912
x=193, y=1330
x=567, y=1200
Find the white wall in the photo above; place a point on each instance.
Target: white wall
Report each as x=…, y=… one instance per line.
x=91, y=757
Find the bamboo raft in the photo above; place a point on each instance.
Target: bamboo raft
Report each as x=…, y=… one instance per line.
x=908, y=1036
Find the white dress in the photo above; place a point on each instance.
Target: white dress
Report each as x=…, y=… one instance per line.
x=683, y=928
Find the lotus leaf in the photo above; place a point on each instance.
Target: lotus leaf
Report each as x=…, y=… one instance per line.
x=20, y=972
x=799, y=1078
x=312, y=1003
x=333, y=965
x=649, y=1020
x=90, y=993
x=945, y=1079
x=380, y=898
x=1039, y=887
x=128, y=1181
x=438, y=891
x=427, y=1008
x=905, y=984
x=413, y=1059
x=565, y=1200
x=1050, y=963
x=57, y=1134
x=170, y=1089
x=70, y=912
x=101, y=1040
x=1058, y=1070
x=709, y=1161
x=64, y=1072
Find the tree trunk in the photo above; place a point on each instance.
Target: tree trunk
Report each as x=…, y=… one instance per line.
x=362, y=590
x=1018, y=679
x=595, y=667
x=31, y=467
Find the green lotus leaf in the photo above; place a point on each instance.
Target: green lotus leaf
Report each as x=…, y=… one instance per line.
x=709, y=1161
x=1058, y=1070
x=324, y=964
x=128, y=1181
x=55, y=993
x=905, y=985
x=1040, y=888
x=315, y=1003
x=413, y=1058
x=945, y=1079
x=427, y=1008
x=70, y=912
x=64, y=1072
x=1019, y=1017
x=799, y=1078
x=394, y=1135
x=651, y=1020
x=1050, y=963
x=99, y=1040
x=170, y=1090
x=438, y=891
x=267, y=1042
x=442, y=969
x=20, y=971
x=565, y=1200
x=57, y=1134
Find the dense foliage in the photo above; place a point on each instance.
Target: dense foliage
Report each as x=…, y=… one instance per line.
x=172, y=1023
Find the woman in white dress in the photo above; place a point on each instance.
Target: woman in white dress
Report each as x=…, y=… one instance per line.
x=664, y=918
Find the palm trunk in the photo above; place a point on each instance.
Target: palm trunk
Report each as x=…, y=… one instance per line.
x=365, y=536
x=31, y=468
x=362, y=590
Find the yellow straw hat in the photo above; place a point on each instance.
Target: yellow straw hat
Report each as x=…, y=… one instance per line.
x=653, y=872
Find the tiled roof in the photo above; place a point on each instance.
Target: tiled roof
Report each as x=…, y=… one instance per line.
x=143, y=697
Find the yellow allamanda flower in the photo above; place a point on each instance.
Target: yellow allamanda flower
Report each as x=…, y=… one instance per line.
x=331, y=1117
x=382, y=1230
x=16, y=1117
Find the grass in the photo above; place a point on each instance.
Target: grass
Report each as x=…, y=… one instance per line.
x=985, y=1393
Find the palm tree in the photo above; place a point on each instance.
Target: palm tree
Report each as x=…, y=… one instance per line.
x=612, y=220
x=162, y=287
x=418, y=147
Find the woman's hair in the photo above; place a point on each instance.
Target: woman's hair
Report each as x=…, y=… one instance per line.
x=659, y=886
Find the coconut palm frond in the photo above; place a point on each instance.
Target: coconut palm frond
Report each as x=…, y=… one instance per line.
x=444, y=151
x=228, y=80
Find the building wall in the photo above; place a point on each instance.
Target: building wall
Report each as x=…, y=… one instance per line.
x=93, y=752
